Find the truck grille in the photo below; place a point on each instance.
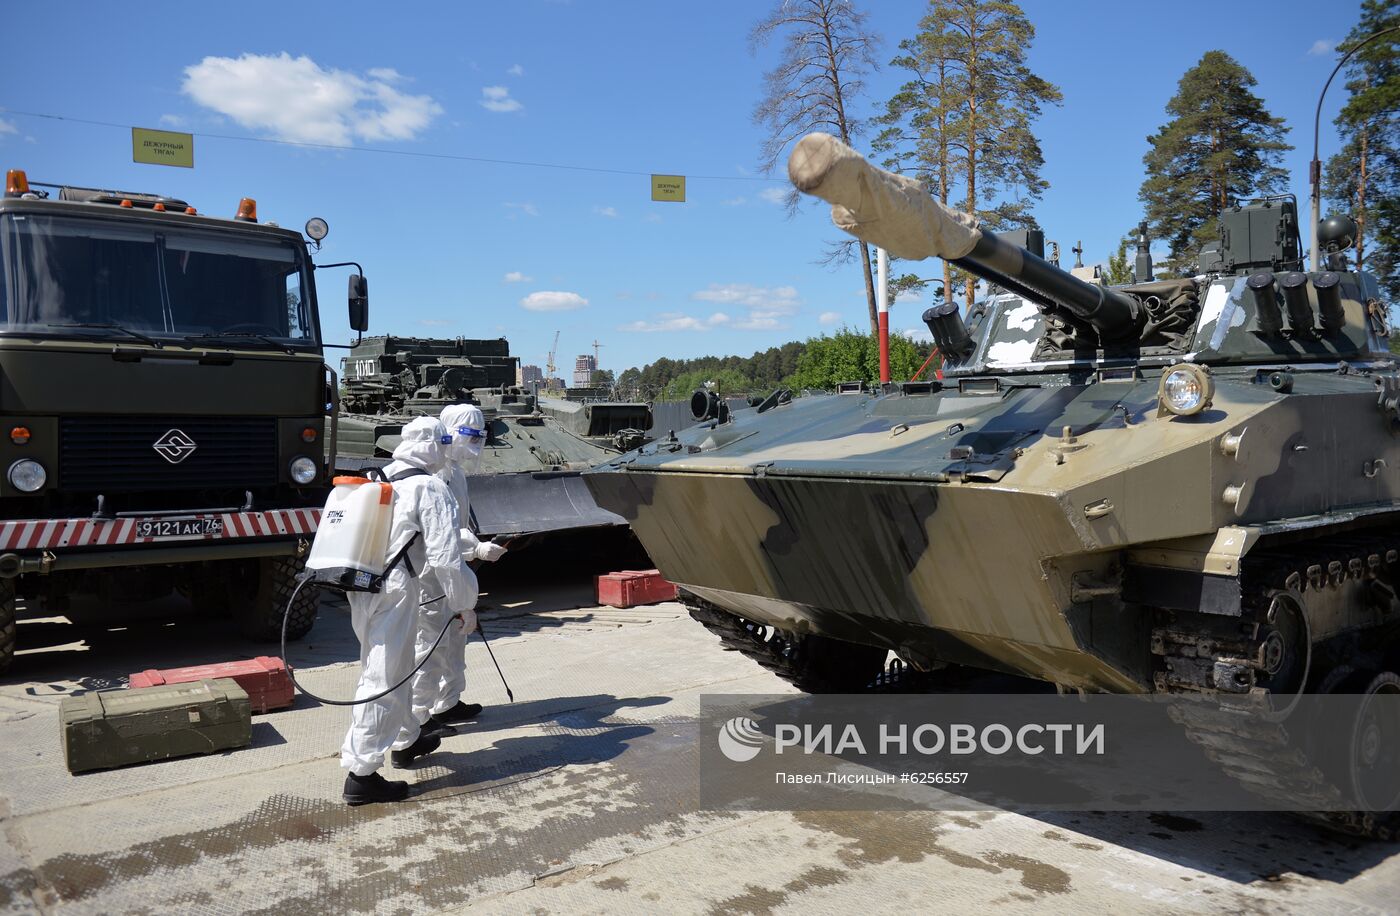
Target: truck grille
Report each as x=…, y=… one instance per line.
x=111, y=454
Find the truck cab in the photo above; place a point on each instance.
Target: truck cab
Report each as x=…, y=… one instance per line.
x=163, y=404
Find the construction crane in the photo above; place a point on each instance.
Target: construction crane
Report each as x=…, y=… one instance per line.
x=549, y=367
x=596, y=347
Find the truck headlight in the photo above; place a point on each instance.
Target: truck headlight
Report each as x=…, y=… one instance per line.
x=303, y=470
x=28, y=475
x=1186, y=390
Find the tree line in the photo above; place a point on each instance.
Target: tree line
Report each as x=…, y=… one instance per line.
x=962, y=124
x=817, y=363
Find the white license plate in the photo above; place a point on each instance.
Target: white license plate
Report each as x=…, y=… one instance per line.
x=179, y=528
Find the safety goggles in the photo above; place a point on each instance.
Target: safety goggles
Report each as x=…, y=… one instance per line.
x=471, y=432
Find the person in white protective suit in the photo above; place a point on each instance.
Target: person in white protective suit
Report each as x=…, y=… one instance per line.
x=425, y=519
x=438, y=686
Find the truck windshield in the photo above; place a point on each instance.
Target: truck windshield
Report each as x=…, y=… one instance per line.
x=68, y=276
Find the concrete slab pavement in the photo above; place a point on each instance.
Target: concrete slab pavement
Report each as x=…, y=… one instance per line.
x=580, y=797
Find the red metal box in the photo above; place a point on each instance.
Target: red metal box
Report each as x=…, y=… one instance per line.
x=630, y=588
x=264, y=678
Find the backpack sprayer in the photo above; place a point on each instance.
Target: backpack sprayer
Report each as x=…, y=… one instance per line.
x=346, y=556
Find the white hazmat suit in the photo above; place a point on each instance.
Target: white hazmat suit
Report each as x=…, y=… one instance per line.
x=438, y=687
x=386, y=623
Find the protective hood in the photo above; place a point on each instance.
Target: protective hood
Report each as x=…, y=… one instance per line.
x=424, y=444
x=466, y=425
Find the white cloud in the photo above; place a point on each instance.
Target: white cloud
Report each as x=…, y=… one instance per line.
x=774, y=195
x=497, y=98
x=675, y=321
x=516, y=70
x=651, y=218
x=829, y=317
x=1322, y=47
x=434, y=322
x=918, y=335
x=296, y=99
x=8, y=127
x=528, y=208
x=908, y=295
x=780, y=300
x=609, y=212
x=764, y=310
x=734, y=202
x=553, y=301
x=172, y=120
x=516, y=276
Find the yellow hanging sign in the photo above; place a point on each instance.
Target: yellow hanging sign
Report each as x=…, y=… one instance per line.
x=162, y=147
x=668, y=187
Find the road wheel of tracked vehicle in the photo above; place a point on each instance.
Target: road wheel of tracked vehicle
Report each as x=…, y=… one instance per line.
x=7, y=623
x=812, y=664
x=261, y=617
x=824, y=665
x=1374, y=751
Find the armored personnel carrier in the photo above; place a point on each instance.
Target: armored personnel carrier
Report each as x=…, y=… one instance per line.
x=529, y=474
x=1185, y=487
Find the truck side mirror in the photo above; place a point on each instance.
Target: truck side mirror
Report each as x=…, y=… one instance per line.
x=359, y=303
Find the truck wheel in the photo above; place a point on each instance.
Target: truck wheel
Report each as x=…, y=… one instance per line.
x=7, y=623
x=261, y=618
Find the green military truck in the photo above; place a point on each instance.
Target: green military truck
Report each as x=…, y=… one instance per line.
x=163, y=404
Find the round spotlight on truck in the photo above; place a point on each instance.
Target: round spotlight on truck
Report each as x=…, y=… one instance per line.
x=303, y=470
x=28, y=475
x=1186, y=390
x=317, y=229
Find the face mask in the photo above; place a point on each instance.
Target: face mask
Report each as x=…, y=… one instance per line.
x=466, y=444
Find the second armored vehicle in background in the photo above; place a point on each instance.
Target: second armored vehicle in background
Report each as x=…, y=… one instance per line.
x=528, y=477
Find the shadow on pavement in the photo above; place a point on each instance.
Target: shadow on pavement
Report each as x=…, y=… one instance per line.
x=1239, y=846
x=579, y=734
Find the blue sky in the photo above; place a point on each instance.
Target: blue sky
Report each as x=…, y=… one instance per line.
x=477, y=249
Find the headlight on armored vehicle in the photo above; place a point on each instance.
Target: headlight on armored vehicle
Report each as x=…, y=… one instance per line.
x=1186, y=390
x=28, y=475
x=303, y=470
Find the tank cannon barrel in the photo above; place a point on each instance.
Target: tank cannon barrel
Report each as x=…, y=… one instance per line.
x=897, y=214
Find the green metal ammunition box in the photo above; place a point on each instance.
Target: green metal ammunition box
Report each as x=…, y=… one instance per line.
x=116, y=728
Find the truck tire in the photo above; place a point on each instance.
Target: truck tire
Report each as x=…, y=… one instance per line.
x=7, y=623
x=261, y=618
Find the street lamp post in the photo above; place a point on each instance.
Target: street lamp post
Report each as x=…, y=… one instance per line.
x=1315, y=167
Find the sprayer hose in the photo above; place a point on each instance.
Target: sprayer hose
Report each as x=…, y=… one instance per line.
x=383, y=693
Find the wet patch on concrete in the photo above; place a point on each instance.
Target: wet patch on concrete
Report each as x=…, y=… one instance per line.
x=1176, y=822
x=1035, y=875
x=911, y=837
x=754, y=901
x=413, y=854
x=760, y=901
x=15, y=889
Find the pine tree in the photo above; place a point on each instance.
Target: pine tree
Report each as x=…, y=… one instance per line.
x=962, y=123
x=827, y=51
x=1119, y=271
x=1220, y=146
x=1363, y=179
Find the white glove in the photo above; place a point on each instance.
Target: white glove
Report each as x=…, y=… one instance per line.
x=489, y=552
x=468, y=621
x=469, y=542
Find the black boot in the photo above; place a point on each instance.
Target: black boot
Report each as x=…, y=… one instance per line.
x=364, y=790
x=425, y=744
x=462, y=712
